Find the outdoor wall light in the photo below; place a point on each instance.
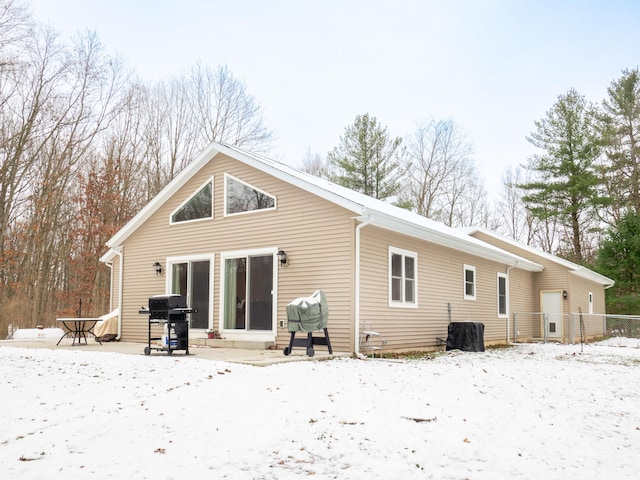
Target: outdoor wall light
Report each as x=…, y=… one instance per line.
x=564, y=294
x=282, y=256
x=157, y=268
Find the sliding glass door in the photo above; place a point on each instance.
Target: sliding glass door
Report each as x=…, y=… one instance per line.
x=191, y=278
x=248, y=292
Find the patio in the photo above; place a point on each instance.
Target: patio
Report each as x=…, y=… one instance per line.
x=232, y=355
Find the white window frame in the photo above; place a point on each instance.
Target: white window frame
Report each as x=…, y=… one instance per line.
x=506, y=294
x=466, y=269
x=233, y=334
x=197, y=190
x=248, y=212
x=590, y=300
x=403, y=303
x=211, y=257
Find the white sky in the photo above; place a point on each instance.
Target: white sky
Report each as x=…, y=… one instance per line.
x=493, y=66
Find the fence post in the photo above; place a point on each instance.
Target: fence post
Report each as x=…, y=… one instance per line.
x=515, y=331
x=572, y=323
x=545, y=325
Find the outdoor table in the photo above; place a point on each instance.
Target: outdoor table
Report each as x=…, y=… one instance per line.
x=78, y=328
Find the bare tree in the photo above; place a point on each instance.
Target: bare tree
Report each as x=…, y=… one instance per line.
x=515, y=221
x=83, y=146
x=224, y=110
x=15, y=23
x=187, y=112
x=443, y=180
x=314, y=164
x=61, y=100
x=179, y=134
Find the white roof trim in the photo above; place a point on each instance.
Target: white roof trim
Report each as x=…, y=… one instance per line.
x=573, y=267
x=172, y=187
x=109, y=256
x=383, y=215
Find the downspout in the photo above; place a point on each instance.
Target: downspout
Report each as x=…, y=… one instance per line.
x=508, y=302
x=356, y=344
x=120, y=284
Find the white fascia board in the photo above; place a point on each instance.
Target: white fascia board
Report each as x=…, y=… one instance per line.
x=261, y=163
x=573, y=267
x=279, y=170
x=156, y=202
x=462, y=243
x=593, y=276
x=109, y=256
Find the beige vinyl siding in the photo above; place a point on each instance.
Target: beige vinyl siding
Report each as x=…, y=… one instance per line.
x=521, y=304
x=579, y=301
x=553, y=277
x=316, y=235
x=439, y=282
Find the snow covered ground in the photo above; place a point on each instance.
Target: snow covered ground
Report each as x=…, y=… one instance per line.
x=530, y=412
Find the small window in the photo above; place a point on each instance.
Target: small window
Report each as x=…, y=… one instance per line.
x=240, y=197
x=469, y=282
x=590, y=302
x=502, y=295
x=402, y=277
x=197, y=207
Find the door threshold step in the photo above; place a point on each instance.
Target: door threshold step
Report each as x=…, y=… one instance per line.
x=225, y=343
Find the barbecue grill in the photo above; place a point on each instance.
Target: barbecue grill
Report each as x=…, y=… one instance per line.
x=171, y=312
x=308, y=314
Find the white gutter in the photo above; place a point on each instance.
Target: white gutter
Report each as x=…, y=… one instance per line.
x=366, y=220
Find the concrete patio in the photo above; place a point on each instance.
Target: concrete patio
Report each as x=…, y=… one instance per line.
x=234, y=355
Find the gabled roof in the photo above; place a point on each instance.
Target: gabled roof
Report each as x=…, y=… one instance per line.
x=574, y=268
x=364, y=208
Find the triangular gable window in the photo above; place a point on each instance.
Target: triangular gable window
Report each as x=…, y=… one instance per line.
x=197, y=207
x=240, y=197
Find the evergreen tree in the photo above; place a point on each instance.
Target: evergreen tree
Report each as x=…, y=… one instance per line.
x=618, y=258
x=565, y=185
x=367, y=159
x=622, y=135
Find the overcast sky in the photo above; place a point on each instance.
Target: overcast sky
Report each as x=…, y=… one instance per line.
x=492, y=66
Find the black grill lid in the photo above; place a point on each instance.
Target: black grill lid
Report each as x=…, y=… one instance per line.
x=167, y=302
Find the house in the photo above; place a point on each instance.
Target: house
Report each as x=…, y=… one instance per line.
x=241, y=236
x=561, y=289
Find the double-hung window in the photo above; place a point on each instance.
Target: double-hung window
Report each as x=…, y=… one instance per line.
x=469, y=282
x=403, y=278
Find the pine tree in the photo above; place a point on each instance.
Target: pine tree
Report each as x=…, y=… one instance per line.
x=622, y=135
x=566, y=186
x=367, y=159
x=618, y=258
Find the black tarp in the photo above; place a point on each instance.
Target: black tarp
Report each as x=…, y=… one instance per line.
x=466, y=336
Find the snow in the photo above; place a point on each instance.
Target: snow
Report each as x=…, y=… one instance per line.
x=37, y=333
x=530, y=411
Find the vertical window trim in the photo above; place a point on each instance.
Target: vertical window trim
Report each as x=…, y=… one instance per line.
x=404, y=253
x=506, y=294
x=590, y=300
x=469, y=268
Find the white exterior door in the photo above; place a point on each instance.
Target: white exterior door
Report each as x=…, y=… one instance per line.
x=551, y=305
